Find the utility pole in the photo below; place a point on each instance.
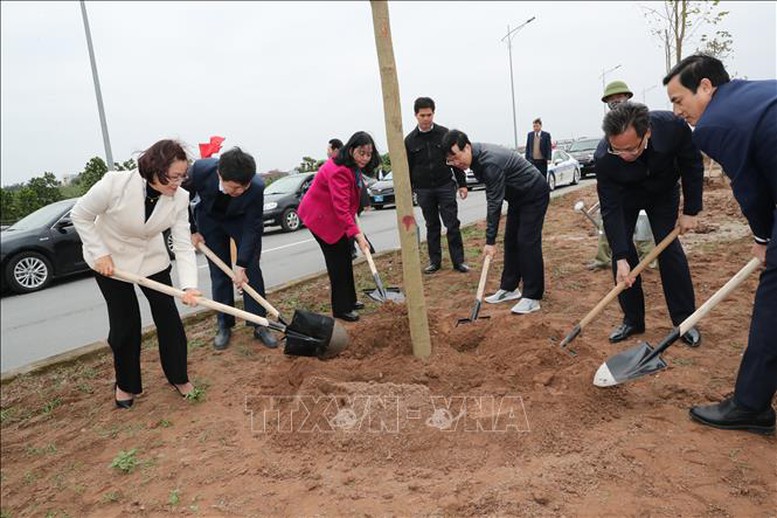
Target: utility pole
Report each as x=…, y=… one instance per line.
x=508, y=36
x=98, y=93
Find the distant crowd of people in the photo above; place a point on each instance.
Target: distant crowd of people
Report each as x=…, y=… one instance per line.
x=647, y=161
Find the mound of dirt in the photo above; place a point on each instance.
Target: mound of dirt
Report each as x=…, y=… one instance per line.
x=497, y=421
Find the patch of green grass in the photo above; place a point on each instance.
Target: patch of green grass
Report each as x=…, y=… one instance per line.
x=198, y=393
x=126, y=461
x=30, y=477
x=165, y=423
x=7, y=414
x=683, y=362
x=196, y=343
x=111, y=497
x=246, y=351
x=49, y=448
x=174, y=498
x=51, y=405
x=84, y=387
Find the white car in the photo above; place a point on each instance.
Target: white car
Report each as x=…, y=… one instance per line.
x=563, y=169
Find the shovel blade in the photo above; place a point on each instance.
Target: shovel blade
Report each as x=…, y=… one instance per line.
x=387, y=294
x=628, y=365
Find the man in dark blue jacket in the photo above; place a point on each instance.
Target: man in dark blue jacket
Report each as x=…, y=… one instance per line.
x=508, y=177
x=231, y=206
x=539, y=150
x=638, y=165
x=736, y=125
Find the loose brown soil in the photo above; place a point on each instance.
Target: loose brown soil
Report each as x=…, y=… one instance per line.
x=498, y=421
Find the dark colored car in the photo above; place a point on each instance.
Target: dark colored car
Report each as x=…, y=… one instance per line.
x=44, y=246
x=583, y=151
x=382, y=192
x=281, y=200
x=40, y=247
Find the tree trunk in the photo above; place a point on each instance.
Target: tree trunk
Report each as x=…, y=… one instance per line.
x=406, y=223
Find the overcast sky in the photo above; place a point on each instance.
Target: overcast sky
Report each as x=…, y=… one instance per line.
x=280, y=79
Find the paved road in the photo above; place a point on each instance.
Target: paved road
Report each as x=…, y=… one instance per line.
x=71, y=313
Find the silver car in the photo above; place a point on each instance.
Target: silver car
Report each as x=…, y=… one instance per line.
x=563, y=169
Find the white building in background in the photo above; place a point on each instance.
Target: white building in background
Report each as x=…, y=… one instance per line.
x=68, y=178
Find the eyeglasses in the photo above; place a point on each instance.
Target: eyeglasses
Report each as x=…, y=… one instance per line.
x=178, y=180
x=631, y=151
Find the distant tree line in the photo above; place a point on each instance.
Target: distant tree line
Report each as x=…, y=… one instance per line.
x=19, y=200
x=310, y=164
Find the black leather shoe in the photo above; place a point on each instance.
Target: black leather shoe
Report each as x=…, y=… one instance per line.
x=265, y=336
x=351, y=316
x=359, y=305
x=463, y=268
x=221, y=341
x=432, y=268
x=692, y=337
x=727, y=415
x=122, y=403
x=624, y=331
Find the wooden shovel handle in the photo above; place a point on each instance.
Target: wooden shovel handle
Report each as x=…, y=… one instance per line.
x=246, y=287
x=483, y=276
x=636, y=271
x=719, y=295
x=367, y=253
x=201, y=301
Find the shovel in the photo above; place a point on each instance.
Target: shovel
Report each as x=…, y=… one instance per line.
x=642, y=359
x=380, y=294
x=246, y=287
x=578, y=329
x=478, y=295
x=328, y=341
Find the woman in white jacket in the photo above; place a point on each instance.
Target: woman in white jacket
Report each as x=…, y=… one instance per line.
x=120, y=221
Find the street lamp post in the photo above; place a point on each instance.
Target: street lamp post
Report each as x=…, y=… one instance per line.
x=604, y=74
x=509, y=39
x=100, y=108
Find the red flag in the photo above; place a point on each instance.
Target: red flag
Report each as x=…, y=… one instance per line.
x=211, y=148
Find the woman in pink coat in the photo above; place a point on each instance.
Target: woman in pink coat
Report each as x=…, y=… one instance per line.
x=329, y=209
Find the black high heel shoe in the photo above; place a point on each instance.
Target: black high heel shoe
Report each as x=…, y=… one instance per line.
x=122, y=403
x=179, y=390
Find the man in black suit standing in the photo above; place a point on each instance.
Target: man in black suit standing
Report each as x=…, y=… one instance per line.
x=639, y=165
x=231, y=206
x=539, y=150
x=435, y=184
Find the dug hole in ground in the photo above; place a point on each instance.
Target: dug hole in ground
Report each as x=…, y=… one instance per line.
x=498, y=421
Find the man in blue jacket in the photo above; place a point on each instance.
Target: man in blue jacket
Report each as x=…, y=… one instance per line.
x=231, y=206
x=736, y=125
x=638, y=165
x=539, y=150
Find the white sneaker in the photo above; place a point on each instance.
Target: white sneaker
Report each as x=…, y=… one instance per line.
x=503, y=296
x=526, y=306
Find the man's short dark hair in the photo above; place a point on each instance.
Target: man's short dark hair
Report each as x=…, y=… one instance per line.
x=452, y=137
x=695, y=68
x=237, y=166
x=423, y=102
x=625, y=115
x=537, y=121
x=335, y=144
